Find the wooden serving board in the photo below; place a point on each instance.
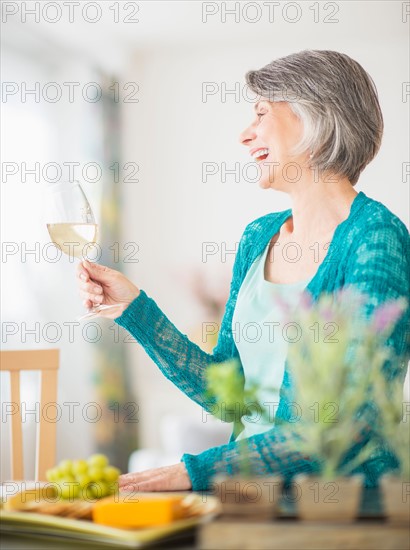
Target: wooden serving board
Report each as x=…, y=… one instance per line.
x=56, y=527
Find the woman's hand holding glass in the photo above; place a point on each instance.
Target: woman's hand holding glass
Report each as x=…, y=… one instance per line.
x=100, y=285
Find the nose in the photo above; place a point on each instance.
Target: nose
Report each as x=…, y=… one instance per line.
x=247, y=136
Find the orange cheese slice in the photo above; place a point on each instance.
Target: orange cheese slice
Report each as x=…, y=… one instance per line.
x=138, y=510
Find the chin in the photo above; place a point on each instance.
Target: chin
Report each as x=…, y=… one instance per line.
x=268, y=178
x=265, y=183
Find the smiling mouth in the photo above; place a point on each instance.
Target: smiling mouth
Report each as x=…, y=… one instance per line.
x=261, y=155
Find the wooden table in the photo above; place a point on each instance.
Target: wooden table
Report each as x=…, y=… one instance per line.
x=292, y=535
x=370, y=531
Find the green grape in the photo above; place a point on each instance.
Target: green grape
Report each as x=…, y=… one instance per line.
x=87, y=492
x=69, y=488
x=79, y=467
x=95, y=490
x=83, y=479
x=103, y=488
x=65, y=467
x=95, y=473
x=90, y=479
x=98, y=460
x=52, y=474
x=57, y=473
x=111, y=473
x=67, y=478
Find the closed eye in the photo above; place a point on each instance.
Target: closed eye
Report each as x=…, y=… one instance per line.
x=260, y=114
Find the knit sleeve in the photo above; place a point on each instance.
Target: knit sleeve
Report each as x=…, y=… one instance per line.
x=180, y=360
x=378, y=266
x=268, y=453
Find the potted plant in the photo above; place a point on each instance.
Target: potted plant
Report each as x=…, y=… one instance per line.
x=243, y=495
x=394, y=429
x=334, y=364
x=395, y=486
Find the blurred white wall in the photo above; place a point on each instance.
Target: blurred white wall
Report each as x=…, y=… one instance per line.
x=39, y=298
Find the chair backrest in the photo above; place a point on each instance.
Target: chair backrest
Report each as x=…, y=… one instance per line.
x=47, y=362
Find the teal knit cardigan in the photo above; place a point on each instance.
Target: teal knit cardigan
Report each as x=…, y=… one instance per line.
x=370, y=250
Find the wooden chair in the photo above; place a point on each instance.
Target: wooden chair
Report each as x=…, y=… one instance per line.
x=47, y=362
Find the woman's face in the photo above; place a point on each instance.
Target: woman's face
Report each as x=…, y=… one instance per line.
x=273, y=132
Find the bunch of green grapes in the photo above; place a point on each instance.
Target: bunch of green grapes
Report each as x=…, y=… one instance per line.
x=88, y=479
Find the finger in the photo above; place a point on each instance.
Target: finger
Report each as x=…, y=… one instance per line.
x=133, y=476
x=129, y=488
x=82, y=273
x=93, y=298
x=99, y=298
x=92, y=292
x=90, y=287
x=97, y=271
x=146, y=475
x=130, y=479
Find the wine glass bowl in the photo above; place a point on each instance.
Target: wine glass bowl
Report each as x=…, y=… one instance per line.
x=72, y=226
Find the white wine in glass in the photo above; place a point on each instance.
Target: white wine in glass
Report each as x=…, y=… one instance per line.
x=73, y=238
x=72, y=226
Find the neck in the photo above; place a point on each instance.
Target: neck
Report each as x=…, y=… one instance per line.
x=318, y=208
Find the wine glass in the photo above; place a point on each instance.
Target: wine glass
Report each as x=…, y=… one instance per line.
x=72, y=226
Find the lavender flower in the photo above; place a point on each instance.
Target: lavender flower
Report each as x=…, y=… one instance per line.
x=386, y=316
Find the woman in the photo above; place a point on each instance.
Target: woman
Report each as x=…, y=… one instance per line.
x=316, y=126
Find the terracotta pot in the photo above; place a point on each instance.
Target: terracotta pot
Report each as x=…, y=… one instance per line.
x=248, y=497
x=319, y=500
x=396, y=498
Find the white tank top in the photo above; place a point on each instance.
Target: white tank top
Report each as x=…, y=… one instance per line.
x=262, y=336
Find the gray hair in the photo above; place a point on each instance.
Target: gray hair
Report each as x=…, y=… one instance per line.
x=337, y=102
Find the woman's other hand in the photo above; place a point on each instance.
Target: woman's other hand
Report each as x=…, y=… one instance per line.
x=101, y=285
x=167, y=478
